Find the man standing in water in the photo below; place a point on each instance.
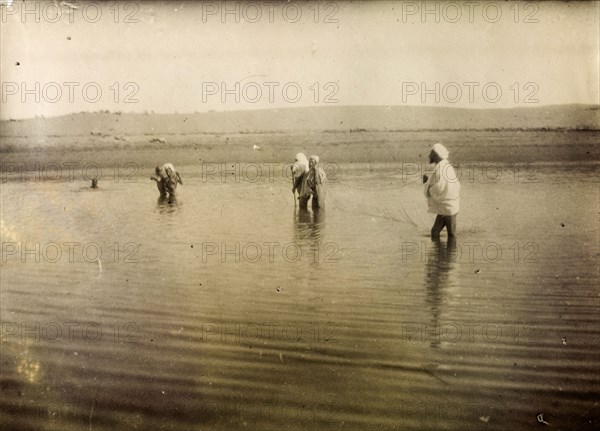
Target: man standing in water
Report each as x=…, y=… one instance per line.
x=315, y=180
x=299, y=177
x=171, y=180
x=161, y=180
x=442, y=190
x=166, y=180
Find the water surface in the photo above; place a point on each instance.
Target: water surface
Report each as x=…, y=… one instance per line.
x=229, y=309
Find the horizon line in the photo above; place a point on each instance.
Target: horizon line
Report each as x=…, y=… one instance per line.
x=212, y=111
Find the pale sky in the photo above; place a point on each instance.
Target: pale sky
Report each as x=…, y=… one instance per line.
x=377, y=53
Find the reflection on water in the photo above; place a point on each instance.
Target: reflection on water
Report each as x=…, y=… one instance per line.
x=167, y=204
x=309, y=235
x=169, y=336
x=440, y=275
x=309, y=226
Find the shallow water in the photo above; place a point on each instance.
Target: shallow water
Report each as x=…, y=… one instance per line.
x=229, y=309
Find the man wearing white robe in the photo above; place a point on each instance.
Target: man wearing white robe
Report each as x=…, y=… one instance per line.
x=442, y=190
x=300, y=170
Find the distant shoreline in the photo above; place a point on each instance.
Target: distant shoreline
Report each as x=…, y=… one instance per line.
x=287, y=132
x=337, y=133
x=147, y=150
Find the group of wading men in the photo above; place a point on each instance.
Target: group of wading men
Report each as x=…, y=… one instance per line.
x=308, y=178
x=441, y=189
x=167, y=179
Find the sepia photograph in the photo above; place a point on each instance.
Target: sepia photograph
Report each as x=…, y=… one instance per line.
x=299, y=215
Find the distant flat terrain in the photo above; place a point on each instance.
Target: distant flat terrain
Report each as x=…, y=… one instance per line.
x=334, y=147
x=329, y=118
x=341, y=134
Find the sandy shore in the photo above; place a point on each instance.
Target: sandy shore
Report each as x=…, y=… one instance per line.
x=340, y=147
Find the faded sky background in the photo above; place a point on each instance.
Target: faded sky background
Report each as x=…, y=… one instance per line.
x=176, y=48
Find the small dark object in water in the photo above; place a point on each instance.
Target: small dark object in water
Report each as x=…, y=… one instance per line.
x=477, y=271
x=562, y=225
x=95, y=183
